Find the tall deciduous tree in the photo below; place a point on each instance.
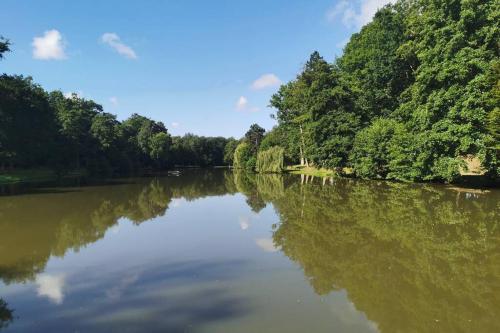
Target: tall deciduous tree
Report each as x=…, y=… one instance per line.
x=254, y=137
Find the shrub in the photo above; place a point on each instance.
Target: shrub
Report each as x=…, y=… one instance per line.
x=370, y=154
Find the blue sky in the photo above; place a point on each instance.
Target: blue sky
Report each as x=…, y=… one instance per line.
x=204, y=67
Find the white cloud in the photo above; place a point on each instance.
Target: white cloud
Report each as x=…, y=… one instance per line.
x=244, y=222
x=114, y=41
x=175, y=124
x=266, y=244
x=51, y=286
x=266, y=81
x=113, y=100
x=49, y=47
x=355, y=14
x=243, y=105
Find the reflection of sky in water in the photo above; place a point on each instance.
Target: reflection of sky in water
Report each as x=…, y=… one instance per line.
x=266, y=244
x=186, y=270
x=213, y=264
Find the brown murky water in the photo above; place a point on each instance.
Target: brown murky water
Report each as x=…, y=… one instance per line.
x=216, y=251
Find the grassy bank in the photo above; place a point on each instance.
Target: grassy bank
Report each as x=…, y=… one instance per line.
x=312, y=171
x=26, y=176
x=469, y=180
x=34, y=175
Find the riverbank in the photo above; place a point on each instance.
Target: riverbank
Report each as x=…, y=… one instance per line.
x=26, y=176
x=34, y=176
x=472, y=180
x=321, y=172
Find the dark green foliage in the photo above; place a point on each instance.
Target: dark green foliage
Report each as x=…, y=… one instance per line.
x=193, y=150
x=244, y=157
x=27, y=123
x=377, y=71
x=229, y=149
x=318, y=112
x=427, y=70
x=40, y=129
x=372, y=148
x=4, y=46
x=270, y=160
x=254, y=137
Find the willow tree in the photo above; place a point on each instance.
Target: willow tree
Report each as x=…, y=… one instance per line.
x=270, y=160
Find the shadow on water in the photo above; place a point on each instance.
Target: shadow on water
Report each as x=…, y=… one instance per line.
x=412, y=257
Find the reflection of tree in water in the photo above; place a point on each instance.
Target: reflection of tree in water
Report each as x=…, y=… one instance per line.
x=34, y=227
x=413, y=258
x=246, y=183
x=6, y=315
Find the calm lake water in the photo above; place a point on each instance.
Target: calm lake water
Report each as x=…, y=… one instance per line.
x=216, y=251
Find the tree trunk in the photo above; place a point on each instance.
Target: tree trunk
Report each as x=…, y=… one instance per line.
x=303, y=160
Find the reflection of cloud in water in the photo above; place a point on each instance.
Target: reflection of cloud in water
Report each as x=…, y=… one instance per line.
x=346, y=312
x=244, y=222
x=117, y=291
x=266, y=244
x=51, y=286
x=173, y=297
x=114, y=229
x=175, y=203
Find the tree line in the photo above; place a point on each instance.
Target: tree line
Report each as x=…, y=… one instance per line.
x=67, y=133
x=414, y=95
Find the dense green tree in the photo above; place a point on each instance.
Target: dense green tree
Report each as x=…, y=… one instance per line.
x=193, y=150
x=159, y=147
x=372, y=147
x=254, y=137
x=456, y=43
x=375, y=68
x=319, y=105
x=105, y=129
x=4, y=46
x=27, y=125
x=229, y=149
x=431, y=66
x=75, y=116
x=244, y=157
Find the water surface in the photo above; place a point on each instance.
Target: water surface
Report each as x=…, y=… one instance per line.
x=216, y=251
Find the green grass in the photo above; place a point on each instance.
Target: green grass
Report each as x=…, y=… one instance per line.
x=26, y=176
x=312, y=171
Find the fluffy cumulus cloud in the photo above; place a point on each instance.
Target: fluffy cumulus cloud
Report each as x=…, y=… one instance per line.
x=50, y=46
x=175, y=124
x=355, y=14
x=115, y=42
x=243, y=105
x=266, y=81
